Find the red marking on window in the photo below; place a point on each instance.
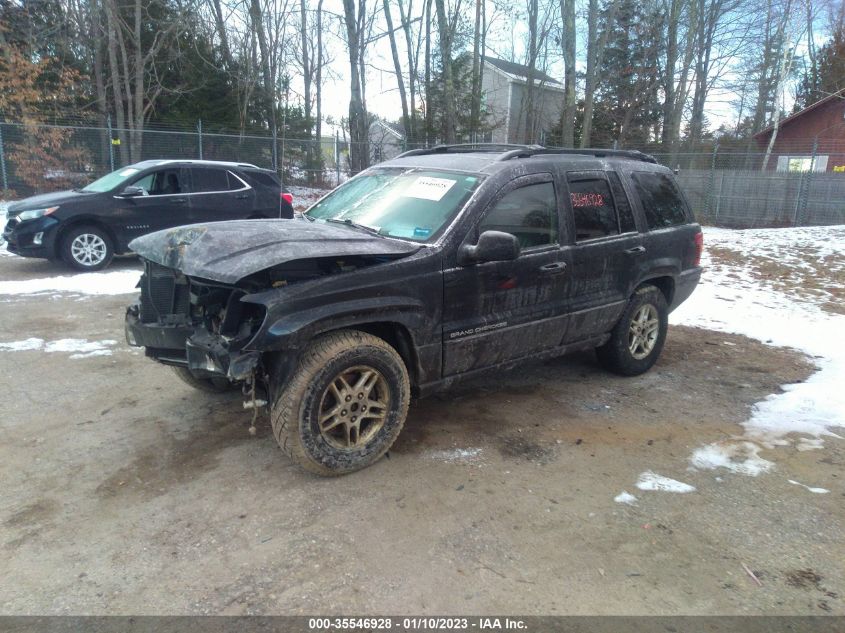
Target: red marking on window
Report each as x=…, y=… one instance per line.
x=586, y=199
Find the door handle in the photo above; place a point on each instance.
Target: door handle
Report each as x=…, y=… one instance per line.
x=553, y=268
x=178, y=200
x=637, y=250
x=242, y=196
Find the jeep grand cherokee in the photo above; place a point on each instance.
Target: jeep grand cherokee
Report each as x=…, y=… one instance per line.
x=430, y=268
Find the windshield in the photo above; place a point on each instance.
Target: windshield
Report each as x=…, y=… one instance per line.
x=414, y=204
x=110, y=181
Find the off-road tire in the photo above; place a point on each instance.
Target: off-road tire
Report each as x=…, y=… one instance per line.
x=296, y=405
x=209, y=385
x=66, y=248
x=615, y=355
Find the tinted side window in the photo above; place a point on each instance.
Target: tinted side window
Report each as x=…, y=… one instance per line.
x=623, y=206
x=592, y=208
x=207, y=180
x=529, y=213
x=662, y=202
x=164, y=182
x=234, y=182
x=263, y=178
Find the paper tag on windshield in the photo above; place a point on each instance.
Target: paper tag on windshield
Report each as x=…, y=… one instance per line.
x=429, y=188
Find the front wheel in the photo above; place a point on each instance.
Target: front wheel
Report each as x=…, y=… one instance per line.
x=344, y=406
x=87, y=248
x=637, y=340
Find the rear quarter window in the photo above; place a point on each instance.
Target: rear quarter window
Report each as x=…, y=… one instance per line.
x=662, y=202
x=263, y=178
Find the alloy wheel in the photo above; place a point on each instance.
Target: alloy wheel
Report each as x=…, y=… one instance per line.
x=642, y=335
x=354, y=407
x=88, y=249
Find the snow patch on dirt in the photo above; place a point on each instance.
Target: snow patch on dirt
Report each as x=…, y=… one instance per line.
x=22, y=346
x=818, y=491
x=456, y=455
x=652, y=481
x=738, y=456
x=625, y=497
x=77, y=347
x=731, y=298
x=114, y=283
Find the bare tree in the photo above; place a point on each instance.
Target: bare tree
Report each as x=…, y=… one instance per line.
x=790, y=29
x=397, y=68
x=446, y=25
x=355, y=21
x=568, y=37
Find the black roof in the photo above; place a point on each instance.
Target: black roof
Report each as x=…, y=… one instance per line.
x=520, y=70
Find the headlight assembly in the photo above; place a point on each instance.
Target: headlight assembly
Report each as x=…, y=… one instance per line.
x=35, y=213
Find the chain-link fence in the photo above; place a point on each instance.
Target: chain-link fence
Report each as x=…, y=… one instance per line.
x=801, y=182
x=39, y=158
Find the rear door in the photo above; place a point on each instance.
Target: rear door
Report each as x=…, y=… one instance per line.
x=494, y=312
x=218, y=194
x=671, y=233
x=164, y=205
x=607, y=254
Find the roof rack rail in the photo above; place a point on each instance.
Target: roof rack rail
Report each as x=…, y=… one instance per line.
x=469, y=147
x=535, y=150
x=515, y=150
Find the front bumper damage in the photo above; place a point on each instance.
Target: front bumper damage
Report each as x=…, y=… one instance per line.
x=205, y=354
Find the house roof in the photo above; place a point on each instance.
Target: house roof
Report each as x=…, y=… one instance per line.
x=840, y=94
x=519, y=71
x=393, y=128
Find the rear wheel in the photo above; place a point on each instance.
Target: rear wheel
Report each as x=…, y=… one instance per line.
x=637, y=340
x=87, y=248
x=345, y=404
x=209, y=385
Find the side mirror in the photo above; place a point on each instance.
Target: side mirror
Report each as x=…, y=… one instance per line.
x=493, y=246
x=131, y=192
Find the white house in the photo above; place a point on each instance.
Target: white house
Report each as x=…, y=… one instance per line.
x=503, y=87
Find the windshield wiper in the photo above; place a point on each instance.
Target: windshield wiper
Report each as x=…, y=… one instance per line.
x=355, y=225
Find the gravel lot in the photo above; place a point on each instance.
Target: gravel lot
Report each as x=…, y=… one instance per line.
x=125, y=492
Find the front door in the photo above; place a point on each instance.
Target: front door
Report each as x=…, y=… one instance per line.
x=495, y=312
x=607, y=254
x=163, y=205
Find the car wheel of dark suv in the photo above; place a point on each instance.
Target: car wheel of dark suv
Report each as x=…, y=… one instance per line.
x=87, y=248
x=637, y=340
x=345, y=404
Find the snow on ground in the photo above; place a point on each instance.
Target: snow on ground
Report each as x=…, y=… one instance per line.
x=783, y=287
x=625, y=497
x=77, y=347
x=304, y=197
x=110, y=283
x=818, y=491
x=456, y=455
x=652, y=481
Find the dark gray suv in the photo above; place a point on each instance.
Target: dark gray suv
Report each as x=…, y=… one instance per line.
x=86, y=227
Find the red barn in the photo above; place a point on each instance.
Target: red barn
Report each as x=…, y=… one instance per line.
x=822, y=123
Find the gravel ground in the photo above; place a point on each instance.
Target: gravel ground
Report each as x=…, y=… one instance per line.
x=125, y=492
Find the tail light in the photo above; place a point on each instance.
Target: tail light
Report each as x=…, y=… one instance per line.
x=287, y=197
x=699, y=248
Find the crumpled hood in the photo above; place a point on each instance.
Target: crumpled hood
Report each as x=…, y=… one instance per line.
x=229, y=251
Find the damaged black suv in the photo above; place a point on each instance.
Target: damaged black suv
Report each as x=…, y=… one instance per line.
x=426, y=269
